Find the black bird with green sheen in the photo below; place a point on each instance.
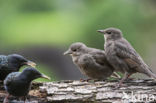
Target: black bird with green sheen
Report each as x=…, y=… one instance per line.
x=12, y=63
x=19, y=83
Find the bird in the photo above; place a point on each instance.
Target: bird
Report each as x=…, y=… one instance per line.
x=12, y=63
x=122, y=56
x=90, y=61
x=19, y=83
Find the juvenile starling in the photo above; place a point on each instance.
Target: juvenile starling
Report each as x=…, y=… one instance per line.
x=19, y=83
x=12, y=63
x=91, y=62
x=122, y=56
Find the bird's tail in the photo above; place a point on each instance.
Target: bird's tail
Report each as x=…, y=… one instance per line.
x=150, y=73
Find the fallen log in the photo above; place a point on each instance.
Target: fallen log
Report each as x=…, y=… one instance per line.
x=89, y=92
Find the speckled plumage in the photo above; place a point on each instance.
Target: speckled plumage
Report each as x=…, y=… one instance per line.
x=15, y=85
x=122, y=56
x=3, y=61
x=11, y=63
x=18, y=83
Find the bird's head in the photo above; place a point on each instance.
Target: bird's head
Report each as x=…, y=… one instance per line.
x=31, y=73
x=111, y=33
x=76, y=49
x=18, y=61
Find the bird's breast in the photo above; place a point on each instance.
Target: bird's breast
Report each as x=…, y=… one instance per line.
x=109, y=47
x=18, y=88
x=75, y=59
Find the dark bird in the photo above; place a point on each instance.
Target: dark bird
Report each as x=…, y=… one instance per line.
x=122, y=56
x=12, y=63
x=91, y=62
x=19, y=83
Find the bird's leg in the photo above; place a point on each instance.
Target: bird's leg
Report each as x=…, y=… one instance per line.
x=126, y=75
x=129, y=77
x=6, y=99
x=25, y=99
x=82, y=80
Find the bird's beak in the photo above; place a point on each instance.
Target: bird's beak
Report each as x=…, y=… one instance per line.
x=46, y=77
x=67, y=52
x=30, y=63
x=101, y=31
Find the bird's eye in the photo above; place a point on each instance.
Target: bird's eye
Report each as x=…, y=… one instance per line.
x=74, y=50
x=109, y=32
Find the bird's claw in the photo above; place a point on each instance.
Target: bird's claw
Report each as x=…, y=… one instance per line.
x=83, y=80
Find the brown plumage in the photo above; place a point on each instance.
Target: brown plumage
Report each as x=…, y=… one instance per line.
x=91, y=62
x=122, y=56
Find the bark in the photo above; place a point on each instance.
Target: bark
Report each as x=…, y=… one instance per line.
x=90, y=92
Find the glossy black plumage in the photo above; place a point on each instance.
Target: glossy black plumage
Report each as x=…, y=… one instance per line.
x=18, y=83
x=12, y=63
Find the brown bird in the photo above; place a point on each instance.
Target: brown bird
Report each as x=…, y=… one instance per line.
x=122, y=56
x=91, y=62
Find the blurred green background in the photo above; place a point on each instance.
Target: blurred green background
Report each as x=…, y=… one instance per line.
x=42, y=30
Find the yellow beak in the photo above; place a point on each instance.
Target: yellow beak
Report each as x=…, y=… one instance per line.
x=46, y=77
x=30, y=63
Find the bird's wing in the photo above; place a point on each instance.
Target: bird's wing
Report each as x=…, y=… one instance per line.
x=88, y=61
x=3, y=61
x=99, y=57
x=10, y=78
x=125, y=51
